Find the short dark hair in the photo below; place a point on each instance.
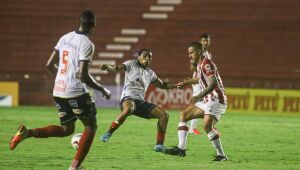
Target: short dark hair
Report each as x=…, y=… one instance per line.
x=196, y=45
x=87, y=18
x=205, y=35
x=140, y=52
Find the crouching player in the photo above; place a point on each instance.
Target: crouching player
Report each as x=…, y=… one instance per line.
x=138, y=76
x=209, y=104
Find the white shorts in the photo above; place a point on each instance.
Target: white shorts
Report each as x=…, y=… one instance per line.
x=215, y=109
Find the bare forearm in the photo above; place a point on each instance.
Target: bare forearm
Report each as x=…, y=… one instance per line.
x=190, y=82
x=91, y=82
x=207, y=90
x=112, y=68
x=168, y=85
x=53, y=69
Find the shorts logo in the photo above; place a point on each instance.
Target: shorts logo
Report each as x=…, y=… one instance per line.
x=73, y=103
x=77, y=111
x=58, y=106
x=62, y=114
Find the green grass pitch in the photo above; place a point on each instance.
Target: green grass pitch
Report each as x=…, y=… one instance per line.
x=251, y=141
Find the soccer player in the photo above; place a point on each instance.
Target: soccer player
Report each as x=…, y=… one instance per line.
x=205, y=42
x=138, y=76
x=210, y=104
x=70, y=62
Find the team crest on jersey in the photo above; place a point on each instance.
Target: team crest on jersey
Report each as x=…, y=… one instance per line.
x=62, y=114
x=77, y=111
x=73, y=103
x=207, y=67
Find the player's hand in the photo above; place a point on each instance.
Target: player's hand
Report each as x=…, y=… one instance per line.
x=103, y=67
x=106, y=93
x=195, y=99
x=179, y=85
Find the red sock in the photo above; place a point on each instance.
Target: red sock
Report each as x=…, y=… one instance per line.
x=160, y=137
x=84, y=146
x=49, y=131
x=114, y=126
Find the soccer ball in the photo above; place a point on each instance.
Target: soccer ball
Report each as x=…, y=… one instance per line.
x=75, y=140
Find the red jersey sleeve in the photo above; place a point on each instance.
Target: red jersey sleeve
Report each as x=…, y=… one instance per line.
x=208, y=67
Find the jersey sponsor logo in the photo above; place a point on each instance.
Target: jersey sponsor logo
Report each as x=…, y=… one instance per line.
x=73, y=103
x=62, y=114
x=60, y=86
x=77, y=111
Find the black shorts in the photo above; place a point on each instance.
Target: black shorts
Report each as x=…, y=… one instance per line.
x=71, y=109
x=142, y=108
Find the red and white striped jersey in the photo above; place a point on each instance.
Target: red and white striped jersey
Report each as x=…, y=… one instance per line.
x=207, y=55
x=206, y=69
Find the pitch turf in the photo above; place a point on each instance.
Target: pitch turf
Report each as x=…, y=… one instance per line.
x=251, y=141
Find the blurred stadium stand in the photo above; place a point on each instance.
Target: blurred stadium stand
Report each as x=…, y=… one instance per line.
x=254, y=43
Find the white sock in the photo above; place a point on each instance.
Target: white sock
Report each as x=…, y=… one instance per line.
x=216, y=143
x=182, y=135
x=193, y=124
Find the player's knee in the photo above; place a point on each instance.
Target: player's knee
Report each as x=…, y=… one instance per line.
x=183, y=117
x=207, y=127
x=68, y=129
x=164, y=116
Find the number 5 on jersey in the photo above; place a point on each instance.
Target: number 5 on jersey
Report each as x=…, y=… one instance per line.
x=64, y=62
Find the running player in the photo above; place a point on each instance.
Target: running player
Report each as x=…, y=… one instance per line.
x=210, y=104
x=70, y=62
x=138, y=76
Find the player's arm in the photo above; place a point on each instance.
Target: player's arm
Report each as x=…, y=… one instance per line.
x=52, y=63
x=187, y=82
x=163, y=85
x=90, y=81
x=211, y=86
x=113, y=68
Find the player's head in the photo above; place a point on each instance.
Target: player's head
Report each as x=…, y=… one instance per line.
x=144, y=57
x=195, y=52
x=205, y=40
x=87, y=21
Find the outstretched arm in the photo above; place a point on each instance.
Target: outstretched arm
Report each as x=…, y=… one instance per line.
x=163, y=85
x=211, y=86
x=112, y=68
x=90, y=81
x=187, y=82
x=52, y=63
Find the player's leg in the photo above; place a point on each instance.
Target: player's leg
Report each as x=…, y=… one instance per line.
x=128, y=106
x=209, y=121
x=193, y=127
x=163, y=118
x=86, y=112
x=191, y=112
x=66, y=128
x=90, y=128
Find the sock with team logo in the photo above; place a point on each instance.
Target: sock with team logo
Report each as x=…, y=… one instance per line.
x=84, y=146
x=182, y=135
x=214, y=138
